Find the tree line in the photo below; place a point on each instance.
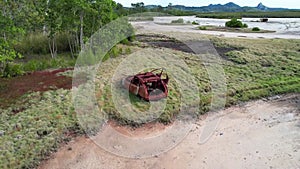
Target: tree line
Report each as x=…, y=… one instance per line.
x=78, y=19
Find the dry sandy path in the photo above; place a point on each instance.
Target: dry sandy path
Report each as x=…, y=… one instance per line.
x=259, y=134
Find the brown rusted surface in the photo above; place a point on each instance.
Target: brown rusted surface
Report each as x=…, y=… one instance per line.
x=149, y=85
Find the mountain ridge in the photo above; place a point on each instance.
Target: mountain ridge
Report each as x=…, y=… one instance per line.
x=228, y=7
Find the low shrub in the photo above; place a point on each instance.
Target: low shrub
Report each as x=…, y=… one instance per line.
x=42, y=64
x=39, y=44
x=127, y=51
x=203, y=28
x=195, y=23
x=33, y=44
x=235, y=23
x=12, y=70
x=180, y=21
x=255, y=29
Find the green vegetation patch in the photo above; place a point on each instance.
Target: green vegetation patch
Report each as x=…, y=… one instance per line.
x=178, y=21
x=256, y=29
x=34, y=127
x=233, y=29
x=254, y=68
x=235, y=23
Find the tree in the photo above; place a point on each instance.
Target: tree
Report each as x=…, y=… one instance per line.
x=120, y=10
x=170, y=6
x=77, y=19
x=139, y=7
x=83, y=18
x=8, y=31
x=53, y=21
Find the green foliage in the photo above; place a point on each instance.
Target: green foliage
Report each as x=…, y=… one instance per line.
x=39, y=44
x=178, y=21
x=127, y=51
x=33, y=44
x=274, y=69
x=34, y=127
x=202, y=27
x=7, y=55
x=8, y=34
x=12, y=70
x=44, y=63
x=195, y=23
x=146, y=18
x=237, y=57
x=67, y=23
x=138, y=7
x=255, y=29
x=234, y=23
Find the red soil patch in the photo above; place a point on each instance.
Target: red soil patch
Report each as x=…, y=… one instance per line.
x=11, y=89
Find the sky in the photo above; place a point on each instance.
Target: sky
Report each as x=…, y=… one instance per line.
x=293, y=4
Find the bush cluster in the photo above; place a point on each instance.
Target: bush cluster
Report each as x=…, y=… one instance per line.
x=180, y=20
x=203, y=28
x=195, y=23
x=255, y=29
x=39, y=44
x=235, y=23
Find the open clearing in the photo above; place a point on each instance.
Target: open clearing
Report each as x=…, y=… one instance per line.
x=153, y=27
x=259, y=134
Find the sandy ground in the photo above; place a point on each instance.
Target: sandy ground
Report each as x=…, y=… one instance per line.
x=259, y=134
x=153, y=27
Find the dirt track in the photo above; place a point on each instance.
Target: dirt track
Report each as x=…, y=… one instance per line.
x=259, y=134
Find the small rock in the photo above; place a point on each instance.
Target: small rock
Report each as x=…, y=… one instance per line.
x=19, y=137
x=257, y=151
x=274, y=97
x=117, y=147
x=221, y=134
x=2, y=133
x=70, y=148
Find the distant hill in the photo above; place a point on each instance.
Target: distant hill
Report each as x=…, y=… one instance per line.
x=229, y=7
